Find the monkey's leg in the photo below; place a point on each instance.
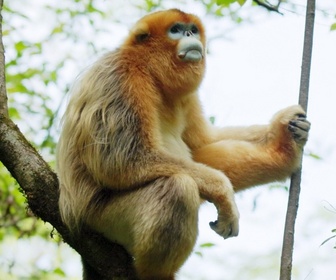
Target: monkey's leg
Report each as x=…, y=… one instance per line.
x=168, y=226
x=157, y=224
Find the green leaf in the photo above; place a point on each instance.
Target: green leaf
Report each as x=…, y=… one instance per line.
x=333, y=27
x=207, y=245
x=241, y=2
x=315, y=156
x=14, y=113
x=20, y=46
x=59, y=271
x=199, y=254
x=16, y=88
x=58, y=29
x=92, y=9
x=226, y=3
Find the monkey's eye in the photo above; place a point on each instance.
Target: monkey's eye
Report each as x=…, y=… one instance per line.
x=194, y=29
x=175, y=29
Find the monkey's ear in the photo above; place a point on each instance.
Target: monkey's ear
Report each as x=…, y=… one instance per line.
x=141, y=37
x=141, y=32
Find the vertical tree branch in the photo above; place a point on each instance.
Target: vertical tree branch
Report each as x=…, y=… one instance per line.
x=294, y=192
x=3, y=91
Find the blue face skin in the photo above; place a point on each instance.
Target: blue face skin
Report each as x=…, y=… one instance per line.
x=189, y=47
x=178, y=30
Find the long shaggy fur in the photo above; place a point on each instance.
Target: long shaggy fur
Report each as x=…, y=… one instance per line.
x=136, y=155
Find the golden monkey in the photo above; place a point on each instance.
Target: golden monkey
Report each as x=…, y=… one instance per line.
x=136, y=155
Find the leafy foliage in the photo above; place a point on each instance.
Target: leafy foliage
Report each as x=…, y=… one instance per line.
x=14, y=220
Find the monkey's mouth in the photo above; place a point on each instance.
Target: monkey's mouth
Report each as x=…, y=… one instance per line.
x=191, y=53
x=190, y=49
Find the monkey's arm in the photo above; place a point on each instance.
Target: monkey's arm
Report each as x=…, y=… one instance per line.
x=260, y=133
x=258, y=154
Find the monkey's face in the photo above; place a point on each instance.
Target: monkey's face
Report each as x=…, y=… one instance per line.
x=172, y=44
x=189, y=46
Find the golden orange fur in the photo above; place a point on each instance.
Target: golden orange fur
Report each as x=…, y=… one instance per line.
x=136, y=155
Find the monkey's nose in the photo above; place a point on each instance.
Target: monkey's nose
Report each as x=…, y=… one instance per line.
x=188, y=33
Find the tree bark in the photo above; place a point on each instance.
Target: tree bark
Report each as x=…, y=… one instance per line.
x=295, y=186
x=3, y=95
x=40, y=187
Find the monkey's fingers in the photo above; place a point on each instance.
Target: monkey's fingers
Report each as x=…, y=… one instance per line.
x=225, y=230
x=299, y=128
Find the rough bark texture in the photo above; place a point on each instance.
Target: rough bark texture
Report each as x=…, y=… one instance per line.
x=3, y=95
x=40, y=186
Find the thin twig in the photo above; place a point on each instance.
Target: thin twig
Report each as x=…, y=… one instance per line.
x=294, y=193
x=269, y=7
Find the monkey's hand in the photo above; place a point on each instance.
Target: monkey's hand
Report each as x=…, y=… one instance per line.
x=227, y=224
x=226, y=227
x=215, y=187
x=290, y=124
x=299, y=127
